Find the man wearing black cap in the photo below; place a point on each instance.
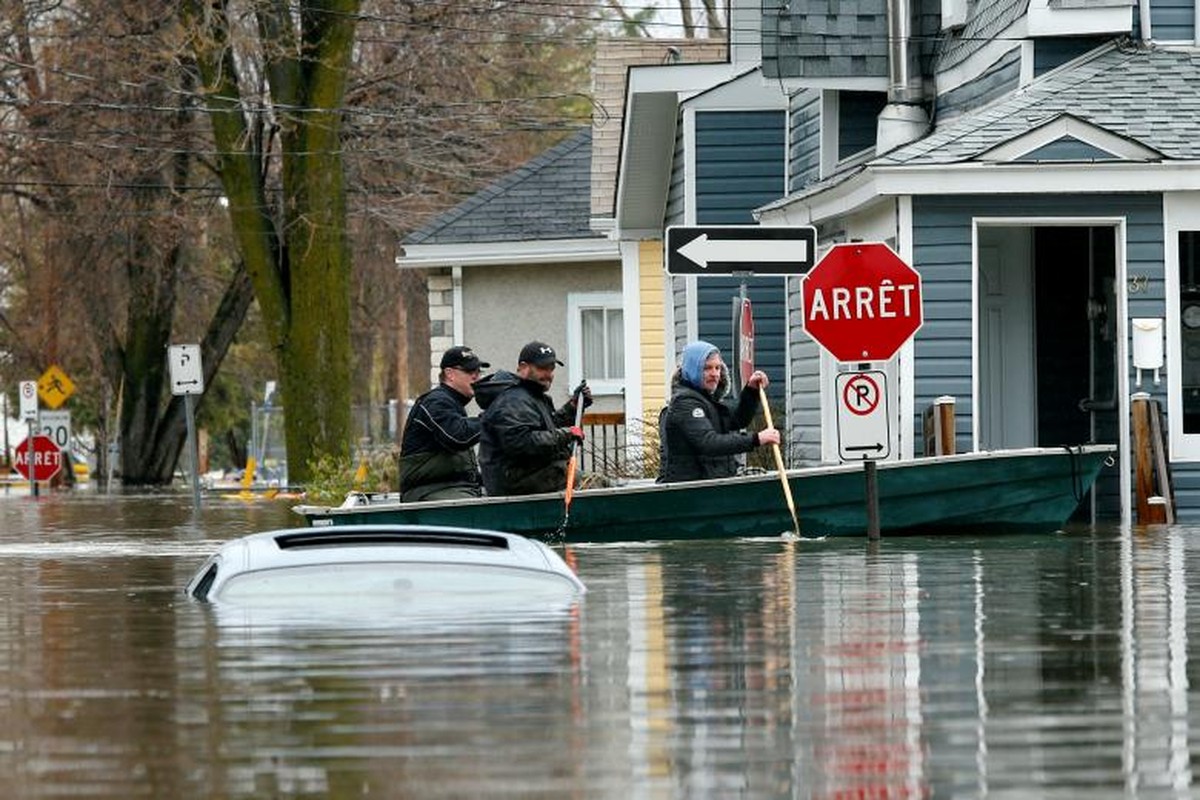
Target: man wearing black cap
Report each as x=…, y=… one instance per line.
x=437, y=453
x=526, y=442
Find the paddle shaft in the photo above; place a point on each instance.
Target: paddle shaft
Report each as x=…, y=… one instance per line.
x=787, y=488
x=573, y=461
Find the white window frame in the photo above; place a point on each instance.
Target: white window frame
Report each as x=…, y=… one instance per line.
x=576, y=303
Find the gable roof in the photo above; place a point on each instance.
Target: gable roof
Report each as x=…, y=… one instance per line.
x=546, y=198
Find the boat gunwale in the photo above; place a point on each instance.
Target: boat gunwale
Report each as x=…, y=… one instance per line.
x=646, y=485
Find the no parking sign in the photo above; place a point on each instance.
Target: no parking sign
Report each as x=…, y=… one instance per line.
x=862, y=403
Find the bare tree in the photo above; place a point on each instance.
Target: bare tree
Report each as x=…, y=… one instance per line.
x=99, y=183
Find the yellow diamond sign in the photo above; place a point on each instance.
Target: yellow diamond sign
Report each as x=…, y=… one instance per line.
x=54, y=387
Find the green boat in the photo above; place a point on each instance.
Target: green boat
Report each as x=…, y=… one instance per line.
x=1033, y=489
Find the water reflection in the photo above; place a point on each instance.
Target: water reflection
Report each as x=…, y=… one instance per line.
x=1014, y=666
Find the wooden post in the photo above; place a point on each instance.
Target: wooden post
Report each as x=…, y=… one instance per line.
x=938, y=422
x=1147, y=513
x=1162, y=472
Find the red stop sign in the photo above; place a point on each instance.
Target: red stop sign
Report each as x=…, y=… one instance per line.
x=47, y=458
x=861, y=302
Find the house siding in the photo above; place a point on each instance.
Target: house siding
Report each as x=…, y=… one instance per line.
x=804, y=139
x=1172, y=20
x=1002, y=78
x=804, y=392
x=676, y=207
x=825, y=38
x=740, y=164
x=653, y=328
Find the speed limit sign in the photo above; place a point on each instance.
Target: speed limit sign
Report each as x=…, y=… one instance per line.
x=56, y=426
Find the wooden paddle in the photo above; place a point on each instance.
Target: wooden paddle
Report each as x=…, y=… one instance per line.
x=787, y=488
x=573, y=461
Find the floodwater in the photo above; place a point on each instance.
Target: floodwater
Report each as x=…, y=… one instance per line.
x=1052, y=666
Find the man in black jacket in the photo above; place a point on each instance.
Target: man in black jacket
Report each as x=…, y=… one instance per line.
x=437, y=453
x=526, y=442
x=701, y=436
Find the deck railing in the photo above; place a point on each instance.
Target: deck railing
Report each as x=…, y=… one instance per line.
x=604, y=444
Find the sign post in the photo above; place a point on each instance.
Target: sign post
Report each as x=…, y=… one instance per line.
x=862, y=303
x=29, y=413
x=187, y=379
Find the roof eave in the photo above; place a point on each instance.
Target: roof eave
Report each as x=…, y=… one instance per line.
x=546, y=251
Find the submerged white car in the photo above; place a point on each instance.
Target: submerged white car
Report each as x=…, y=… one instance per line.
x=389, y=564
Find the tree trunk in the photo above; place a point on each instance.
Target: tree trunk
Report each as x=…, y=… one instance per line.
x=300, y=268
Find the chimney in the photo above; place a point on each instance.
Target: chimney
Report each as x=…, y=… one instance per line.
x=903, y=119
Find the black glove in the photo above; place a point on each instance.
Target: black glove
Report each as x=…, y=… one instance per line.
x=586, y=391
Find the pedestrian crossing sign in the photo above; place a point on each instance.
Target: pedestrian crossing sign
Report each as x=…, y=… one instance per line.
x=54, y=387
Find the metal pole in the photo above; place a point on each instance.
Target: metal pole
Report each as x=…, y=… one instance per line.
x=193, y=448
x=872, y=499
x=33, y=489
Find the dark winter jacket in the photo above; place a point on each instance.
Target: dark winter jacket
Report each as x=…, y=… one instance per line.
x=438, y=448
x=525, y=443
x=700, y=435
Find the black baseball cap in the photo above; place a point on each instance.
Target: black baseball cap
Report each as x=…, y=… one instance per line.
x=463, y=358
x=539, y=354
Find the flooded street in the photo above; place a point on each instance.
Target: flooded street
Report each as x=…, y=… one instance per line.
x=1016, y=666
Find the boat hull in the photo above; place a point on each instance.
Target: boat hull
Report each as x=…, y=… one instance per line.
x=1034, y=489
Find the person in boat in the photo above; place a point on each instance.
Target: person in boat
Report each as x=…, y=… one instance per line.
x=526, y=441
x=700, y=435
x=437, y=451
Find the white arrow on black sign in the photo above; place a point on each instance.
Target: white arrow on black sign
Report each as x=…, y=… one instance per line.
x=702, y=250
x=727, y=249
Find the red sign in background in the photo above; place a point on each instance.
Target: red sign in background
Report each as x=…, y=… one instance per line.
x=47, y=458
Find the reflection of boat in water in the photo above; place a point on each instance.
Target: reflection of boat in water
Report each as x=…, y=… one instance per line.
x=1029, y=489
x=396, y=568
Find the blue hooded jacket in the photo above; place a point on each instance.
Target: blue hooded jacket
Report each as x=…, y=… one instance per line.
x=701, y=437
x=691, y=362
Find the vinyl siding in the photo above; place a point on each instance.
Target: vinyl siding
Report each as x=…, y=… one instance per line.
x=804, y=139
x=740, y=162
x=1172, y=20
x=651, y=302
x=1001, y=78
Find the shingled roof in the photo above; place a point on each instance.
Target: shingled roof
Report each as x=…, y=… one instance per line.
x=546, y=198
x=1151, y=97
x=1148, y=96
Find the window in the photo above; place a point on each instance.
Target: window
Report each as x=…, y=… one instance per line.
x=1181, y=262
x=1189, y=328
x=596, y=341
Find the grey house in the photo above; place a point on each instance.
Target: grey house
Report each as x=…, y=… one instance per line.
x=1036, y=162
x=519, y=261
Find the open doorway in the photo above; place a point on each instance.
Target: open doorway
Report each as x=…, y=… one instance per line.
x=1048, y=373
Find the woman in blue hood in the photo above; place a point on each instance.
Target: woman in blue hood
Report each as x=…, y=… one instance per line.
x=702, y=436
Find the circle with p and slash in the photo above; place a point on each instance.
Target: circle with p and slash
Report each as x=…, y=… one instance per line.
x=861, y=395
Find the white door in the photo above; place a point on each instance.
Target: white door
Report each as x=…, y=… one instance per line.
x=1007, y=358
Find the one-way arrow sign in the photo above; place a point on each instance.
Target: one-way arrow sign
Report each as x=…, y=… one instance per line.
x=727, y=249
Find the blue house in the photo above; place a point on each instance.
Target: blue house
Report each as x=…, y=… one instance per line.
x=1036, y=161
